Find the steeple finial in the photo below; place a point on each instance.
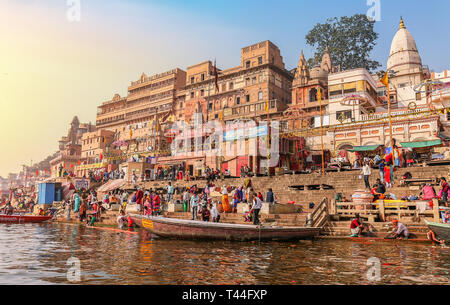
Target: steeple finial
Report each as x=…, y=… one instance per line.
x=402, y=24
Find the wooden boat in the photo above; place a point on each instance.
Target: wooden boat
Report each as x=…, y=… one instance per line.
x=191, y=229
x=442, y=230
x=17, y=218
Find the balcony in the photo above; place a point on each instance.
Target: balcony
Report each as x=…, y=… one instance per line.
x=253, y=109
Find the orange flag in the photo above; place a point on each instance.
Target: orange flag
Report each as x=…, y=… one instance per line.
x=385, y=79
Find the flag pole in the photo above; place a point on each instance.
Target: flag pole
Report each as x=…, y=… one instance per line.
x=321, y=130
x=390, y=122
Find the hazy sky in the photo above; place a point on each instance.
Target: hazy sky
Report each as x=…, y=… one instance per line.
x=52, y=69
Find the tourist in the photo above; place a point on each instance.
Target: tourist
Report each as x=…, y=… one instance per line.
x=205, y=213
x=225, y=201
x=69, y=208
x=356, y=164
x=139, y=196
x=376, y=159
x=427, y=193
x=214, y=212
x=396, y=157
x=194, y=205
x=121, y=219
x=379, y=190
x=443, y=193
x=156, y=201
x=399, y=230
x=270, y=197
x=148, y=205
x=77, y=202
x=404, y=158
x=256, y=207
x=387, y=175
x=366, y=171
x=434, y=239
x=236, y=199
x=356, y=227
x=186, y=200
x=83, y=209
x=170, y=191
x=409, y=157
x=381, y=166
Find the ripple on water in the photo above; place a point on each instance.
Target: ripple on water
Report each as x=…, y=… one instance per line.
x=38, y=254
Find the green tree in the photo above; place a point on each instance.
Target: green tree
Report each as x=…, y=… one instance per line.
x=350, y=41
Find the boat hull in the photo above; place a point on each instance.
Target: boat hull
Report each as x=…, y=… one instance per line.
x=188, y=229
x=442, y=230
x=23, y=218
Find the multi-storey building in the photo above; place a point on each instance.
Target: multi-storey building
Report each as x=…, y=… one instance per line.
x=150, y=103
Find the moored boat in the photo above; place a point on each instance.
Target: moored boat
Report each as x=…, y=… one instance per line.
x=442, y=230
x=191, y=229
x=15, y=218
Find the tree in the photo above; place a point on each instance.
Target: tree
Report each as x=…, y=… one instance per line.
x=350, y=41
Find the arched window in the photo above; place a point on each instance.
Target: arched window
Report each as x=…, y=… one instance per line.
x=313, y=95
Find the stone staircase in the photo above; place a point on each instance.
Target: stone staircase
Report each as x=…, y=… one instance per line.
x=380, y=229
x=345, y=182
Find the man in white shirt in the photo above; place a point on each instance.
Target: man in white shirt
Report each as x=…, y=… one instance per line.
x=256, y=207
x=366, y=171
x=214, y=212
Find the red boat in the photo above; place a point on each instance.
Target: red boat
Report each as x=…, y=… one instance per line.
x=23, y=218
x=191, y=229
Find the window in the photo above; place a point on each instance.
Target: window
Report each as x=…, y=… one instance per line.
x=203, y=77
x=350, y=87
x=260, y=95
x=202, y=92
x=343, y=115
x=247, y=81
x=192, y=94
x=230, y=85
x=260, y=79
x=210, y=106
x=247, y=98
x=260, y=60
x=418, y=96
x=192, y=80
x=313, y=95
x=247, y=64
x=254, y=80
x=238, y=100
x=335, y=90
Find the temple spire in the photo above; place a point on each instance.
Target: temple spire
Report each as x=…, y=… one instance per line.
x=402, y=24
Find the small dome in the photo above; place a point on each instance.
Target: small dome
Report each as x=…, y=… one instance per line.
x=318, y=73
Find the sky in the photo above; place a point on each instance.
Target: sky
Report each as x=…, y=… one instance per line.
x=53, y=67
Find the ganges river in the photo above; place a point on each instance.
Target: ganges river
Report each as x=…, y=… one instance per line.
x=39, y=254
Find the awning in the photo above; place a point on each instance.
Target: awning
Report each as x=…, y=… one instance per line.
x=444, y=135
x=111, y=185
x=421, y=144
x=364, y=148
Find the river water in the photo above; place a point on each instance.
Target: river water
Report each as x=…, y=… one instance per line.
x=39, y=254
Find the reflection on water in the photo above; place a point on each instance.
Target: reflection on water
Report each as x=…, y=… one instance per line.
x=37, y=254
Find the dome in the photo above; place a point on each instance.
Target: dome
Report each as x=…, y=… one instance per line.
x=404, y=53
x=318, y=73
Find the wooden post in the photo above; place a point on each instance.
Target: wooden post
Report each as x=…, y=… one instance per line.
x=435, y=210
x=398, y=211
x=381, y=210
x=333, y=207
